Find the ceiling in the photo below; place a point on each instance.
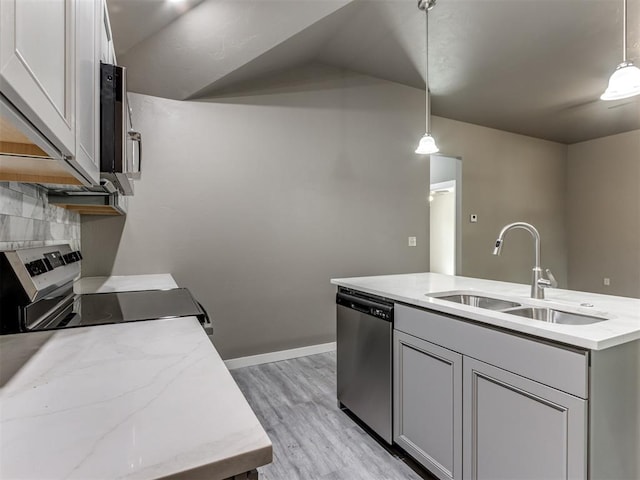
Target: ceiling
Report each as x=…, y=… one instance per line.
x=535, y=67
x=134, y=20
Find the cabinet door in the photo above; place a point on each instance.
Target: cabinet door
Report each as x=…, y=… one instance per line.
x=428, y=404
x=36, y=65
x=515, y=428
x=88, y=17
x=107, y=54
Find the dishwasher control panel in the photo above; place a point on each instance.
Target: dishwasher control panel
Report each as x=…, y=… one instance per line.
x=364, y=303
x=376, y=312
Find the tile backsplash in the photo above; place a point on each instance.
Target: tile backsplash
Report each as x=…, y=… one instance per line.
x=27, y=219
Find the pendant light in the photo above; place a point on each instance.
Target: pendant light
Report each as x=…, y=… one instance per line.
x=427, y=143
x=625, y=80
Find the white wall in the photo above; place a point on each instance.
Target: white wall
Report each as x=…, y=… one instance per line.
x=446, y=170
x=442, y=238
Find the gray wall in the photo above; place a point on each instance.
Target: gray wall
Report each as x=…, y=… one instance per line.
x=27, y=219
x=604, y=214
x=506, y=178
x=255, y=203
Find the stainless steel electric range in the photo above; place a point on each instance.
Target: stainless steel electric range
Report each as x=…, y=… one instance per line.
x=36, y=293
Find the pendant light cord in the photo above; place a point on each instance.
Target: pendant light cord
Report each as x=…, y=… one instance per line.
x=624, y=31
x=426, y=73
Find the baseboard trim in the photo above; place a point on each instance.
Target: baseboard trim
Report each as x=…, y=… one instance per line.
x=277, y=356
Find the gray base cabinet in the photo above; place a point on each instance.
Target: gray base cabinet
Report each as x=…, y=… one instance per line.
x=477, y=403
x=428, y=404
x=515, y=428
x=481, y=403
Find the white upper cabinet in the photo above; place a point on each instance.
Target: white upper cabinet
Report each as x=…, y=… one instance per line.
x=107, y=51
x=37, y=65
x=50, y=74
x=88, y=16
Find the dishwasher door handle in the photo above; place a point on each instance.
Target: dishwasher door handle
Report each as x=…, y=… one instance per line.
x=360, y=308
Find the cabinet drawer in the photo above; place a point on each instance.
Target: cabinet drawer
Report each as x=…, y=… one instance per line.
x=562, y=368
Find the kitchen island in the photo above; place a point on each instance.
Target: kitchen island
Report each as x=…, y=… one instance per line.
x=484, y=394
x=144, y=400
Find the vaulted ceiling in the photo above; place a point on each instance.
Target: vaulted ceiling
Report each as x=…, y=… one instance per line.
x=535, y=67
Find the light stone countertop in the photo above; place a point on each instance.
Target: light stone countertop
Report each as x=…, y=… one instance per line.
x=124, y=283
x=140, y=400
x=622, y=326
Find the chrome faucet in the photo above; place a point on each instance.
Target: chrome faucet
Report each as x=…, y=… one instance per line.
x=538, y=282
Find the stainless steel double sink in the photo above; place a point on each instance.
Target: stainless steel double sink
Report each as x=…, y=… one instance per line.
x=543, y=314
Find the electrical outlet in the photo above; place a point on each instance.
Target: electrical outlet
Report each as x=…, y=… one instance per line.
x=606, y=281
x=412, y=241
x=473, y=218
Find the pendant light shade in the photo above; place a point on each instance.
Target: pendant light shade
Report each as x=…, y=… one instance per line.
x=625, y=80
x=427, y=143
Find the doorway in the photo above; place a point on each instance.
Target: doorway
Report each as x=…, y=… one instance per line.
x=445, y=214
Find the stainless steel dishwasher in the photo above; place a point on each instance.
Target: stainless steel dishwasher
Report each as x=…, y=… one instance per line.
x=364, y=356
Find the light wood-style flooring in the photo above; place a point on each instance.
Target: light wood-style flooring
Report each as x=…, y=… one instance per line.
x=295, y=400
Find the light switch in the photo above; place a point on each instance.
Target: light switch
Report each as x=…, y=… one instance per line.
x=473, y=218
x=412, y=241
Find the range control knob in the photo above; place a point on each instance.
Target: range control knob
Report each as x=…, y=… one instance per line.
x=72, y=257
x=37, y=267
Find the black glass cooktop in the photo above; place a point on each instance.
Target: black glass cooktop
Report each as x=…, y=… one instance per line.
x=105, y=308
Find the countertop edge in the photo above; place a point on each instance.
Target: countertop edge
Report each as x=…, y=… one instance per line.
x=228, y=467
x=488, y=317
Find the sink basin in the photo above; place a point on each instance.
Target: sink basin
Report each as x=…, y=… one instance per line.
x=555, y=316
x=479, y=301
x=543, y=314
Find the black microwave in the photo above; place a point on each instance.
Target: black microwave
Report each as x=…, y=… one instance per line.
x=120, y=145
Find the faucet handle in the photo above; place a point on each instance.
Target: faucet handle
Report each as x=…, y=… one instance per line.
x=552, y=279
